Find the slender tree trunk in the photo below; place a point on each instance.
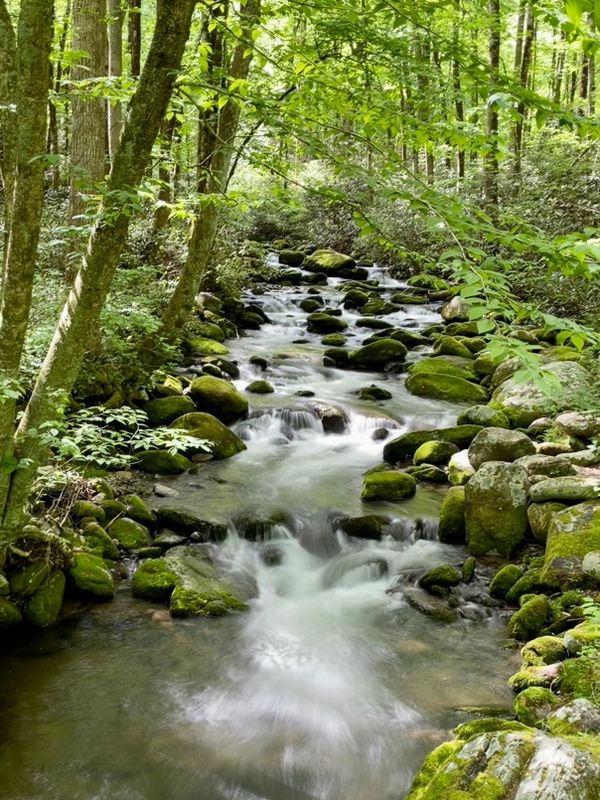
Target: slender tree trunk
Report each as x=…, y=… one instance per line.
x=523, y=76
x=82, y=308
x=56, y=76
x=165, y=175
x=491, y=167
x=115, y=71
x=134, y=37
x=24, y=131
x=559, y=71
x=88, y=142
x=459, y=106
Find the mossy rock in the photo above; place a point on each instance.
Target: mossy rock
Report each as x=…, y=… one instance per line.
x=444, y=575
x=583, y=636
x=530, y=619
x=409, y=339
x=526, y=677
x=210, y=330
x=525, y=585
x=484, y=416
x=113, y=509
x=565, y=489
x=580, y=677
x=572, y=534
x=434, y=452
x=138, y=510
x=10, y=614
x=43, y=608
x=200, y=591
x=408, y=299
x=153, y=580
x=334, y=340
x=503, y=579
x=445, y=387
x=428, y=473
x=499, y=444
x=129, y=534
x=90, y=576
x=355, y=298
x=378, y=354
x=28, y=580
x=376, y=307
x=84, y=509
x=452, y=366
x=220, y=398
x=449, y=346
x=539, y=516
x=451, y=527
x=161, y=462
x=433, y=607
x=367, y=526
x=311, y=304
x=329, y=262
x=164, y=410
x=291, y=258
x=534, y=705
x=99, y=542
x=404, y=446
x=225, y=443
x=198, y=346
x=388, y=486
x=496, y=508
x=186, y=522
x=543, y=650
x=260, y=387
x=374, y=324
x=321, y=322
x=486, y=364
x=425, y=280
x=460, y=469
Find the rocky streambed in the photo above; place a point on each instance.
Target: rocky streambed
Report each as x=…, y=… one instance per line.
x=381, y=500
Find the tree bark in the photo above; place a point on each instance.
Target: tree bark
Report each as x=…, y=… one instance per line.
x=82, y=308
x=88, y=142
x=24, y=145
x=491, y=165
x=134, y=37
x=115, y=71
x=523, y=76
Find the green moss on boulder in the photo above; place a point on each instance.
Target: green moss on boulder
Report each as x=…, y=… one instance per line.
x=533, y=706
x=90, y=576
x=161, y=462
x=389, y=485
x=572, y=534
x=449, y=346
x=153, y=580
x=484, y=416
x=445, y=576
x=580, y=677
x=499, y=444
x=260, y=387
x=404, y=447
x=530, y=619
x=218, y=397
x=10, y=614
x=28, y=580
x=164, y=410
x=539, y=516
x=83, y=509
x=377, y=354
x=129, y=534
x=43, y=608
x=434, y=452
x=200, y=591
x=503, y=579
x=445, y=387
x=225, y=443
x=451, y=528
x=329, y=262
x=98, y=541
x=210, y=330
x=543, y=650
x=138, y=510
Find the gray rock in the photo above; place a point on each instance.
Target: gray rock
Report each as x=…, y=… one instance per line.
x=499, y=444
x=457, y=310
x=581, y=715
x=549, y=466
x=584, y=424
x=568, y=489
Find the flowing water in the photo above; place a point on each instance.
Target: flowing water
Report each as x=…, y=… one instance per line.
x=331, y=687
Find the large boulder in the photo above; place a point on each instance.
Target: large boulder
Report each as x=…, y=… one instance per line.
x=524, y=401
x=446, y=387
x=199, y=591
x=321, y=322
x=567, y=489
x=450, y=346
x=496, y=508
x=404, y=447
x=485, y=416
x=291, y=258
x=457, y=310
x=498, y=759
x=378, y=354
x=130, y=535
x=165, y=409
x=43, y=608
x=451, y=528
x=218, y=397
x=161, y=462
x=10, y=614
x=499, y=444
x=583, y=424
x=90, y=576
x=329, y=262
x=572, y=534
x=153, y=580
x=453, y=366
x=199, y=346
x=388, y=485
x=434, y=452
x=224, y=442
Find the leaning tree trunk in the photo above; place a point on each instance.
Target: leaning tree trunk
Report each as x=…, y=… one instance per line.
x=88, y=137
x=24, y=131
x=84, y=304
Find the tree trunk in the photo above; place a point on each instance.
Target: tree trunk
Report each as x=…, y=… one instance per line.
x=115, y=71
x=84, y=304
x=214, y=162
x=459, y=106
x=491, y=166
x=88, y=142
x=134, y=37
x=23, y=148
x=523, y=76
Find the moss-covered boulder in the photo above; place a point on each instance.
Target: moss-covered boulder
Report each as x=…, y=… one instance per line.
x=10, y=614
x=389, y=485
x=291, y=258
x=539, y=516
x=153, y=580
x=98, y=541
x=544, y=650
x=187, y=522
x=457, y=310
x=311, y=304
x=374, y=392
x=452, y=366
x=260, y=387
x=460, y=469
x=86, y=509
x=530, y=619
x=329, y=262
x=210, y=330
x=409, y=339
x=567, y=489
x=355, y=298
x=499, y=444
x=129, y=534
x=377, y=307
x=90, y=576
x=27, y=580
x=572, y=534
x=408, y=298
x=200, y=592
x=534, y=705
x=449, y=346
x=224, y=442
x=404, y=446
x=452, y=528
x=164, y=410
x=580, y=677
x=161, y=462
x=484, y=416
x=445, y=387
x=377, y=354
x=434, y=452
x=218, y=397
x=503, y=579
x=523, y=402
x=584, y=636
x=113, y=509
x=199, y=346
x=334, y=340
x=445, y=576
x=138, y=510
x=496, y=508
x=321, y=322
x=43, y=608
x=428, y=473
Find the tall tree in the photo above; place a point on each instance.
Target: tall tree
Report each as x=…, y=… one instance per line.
x=115, y=71
x=492, y=165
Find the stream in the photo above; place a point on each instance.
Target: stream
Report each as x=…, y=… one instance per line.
x=331, y=687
